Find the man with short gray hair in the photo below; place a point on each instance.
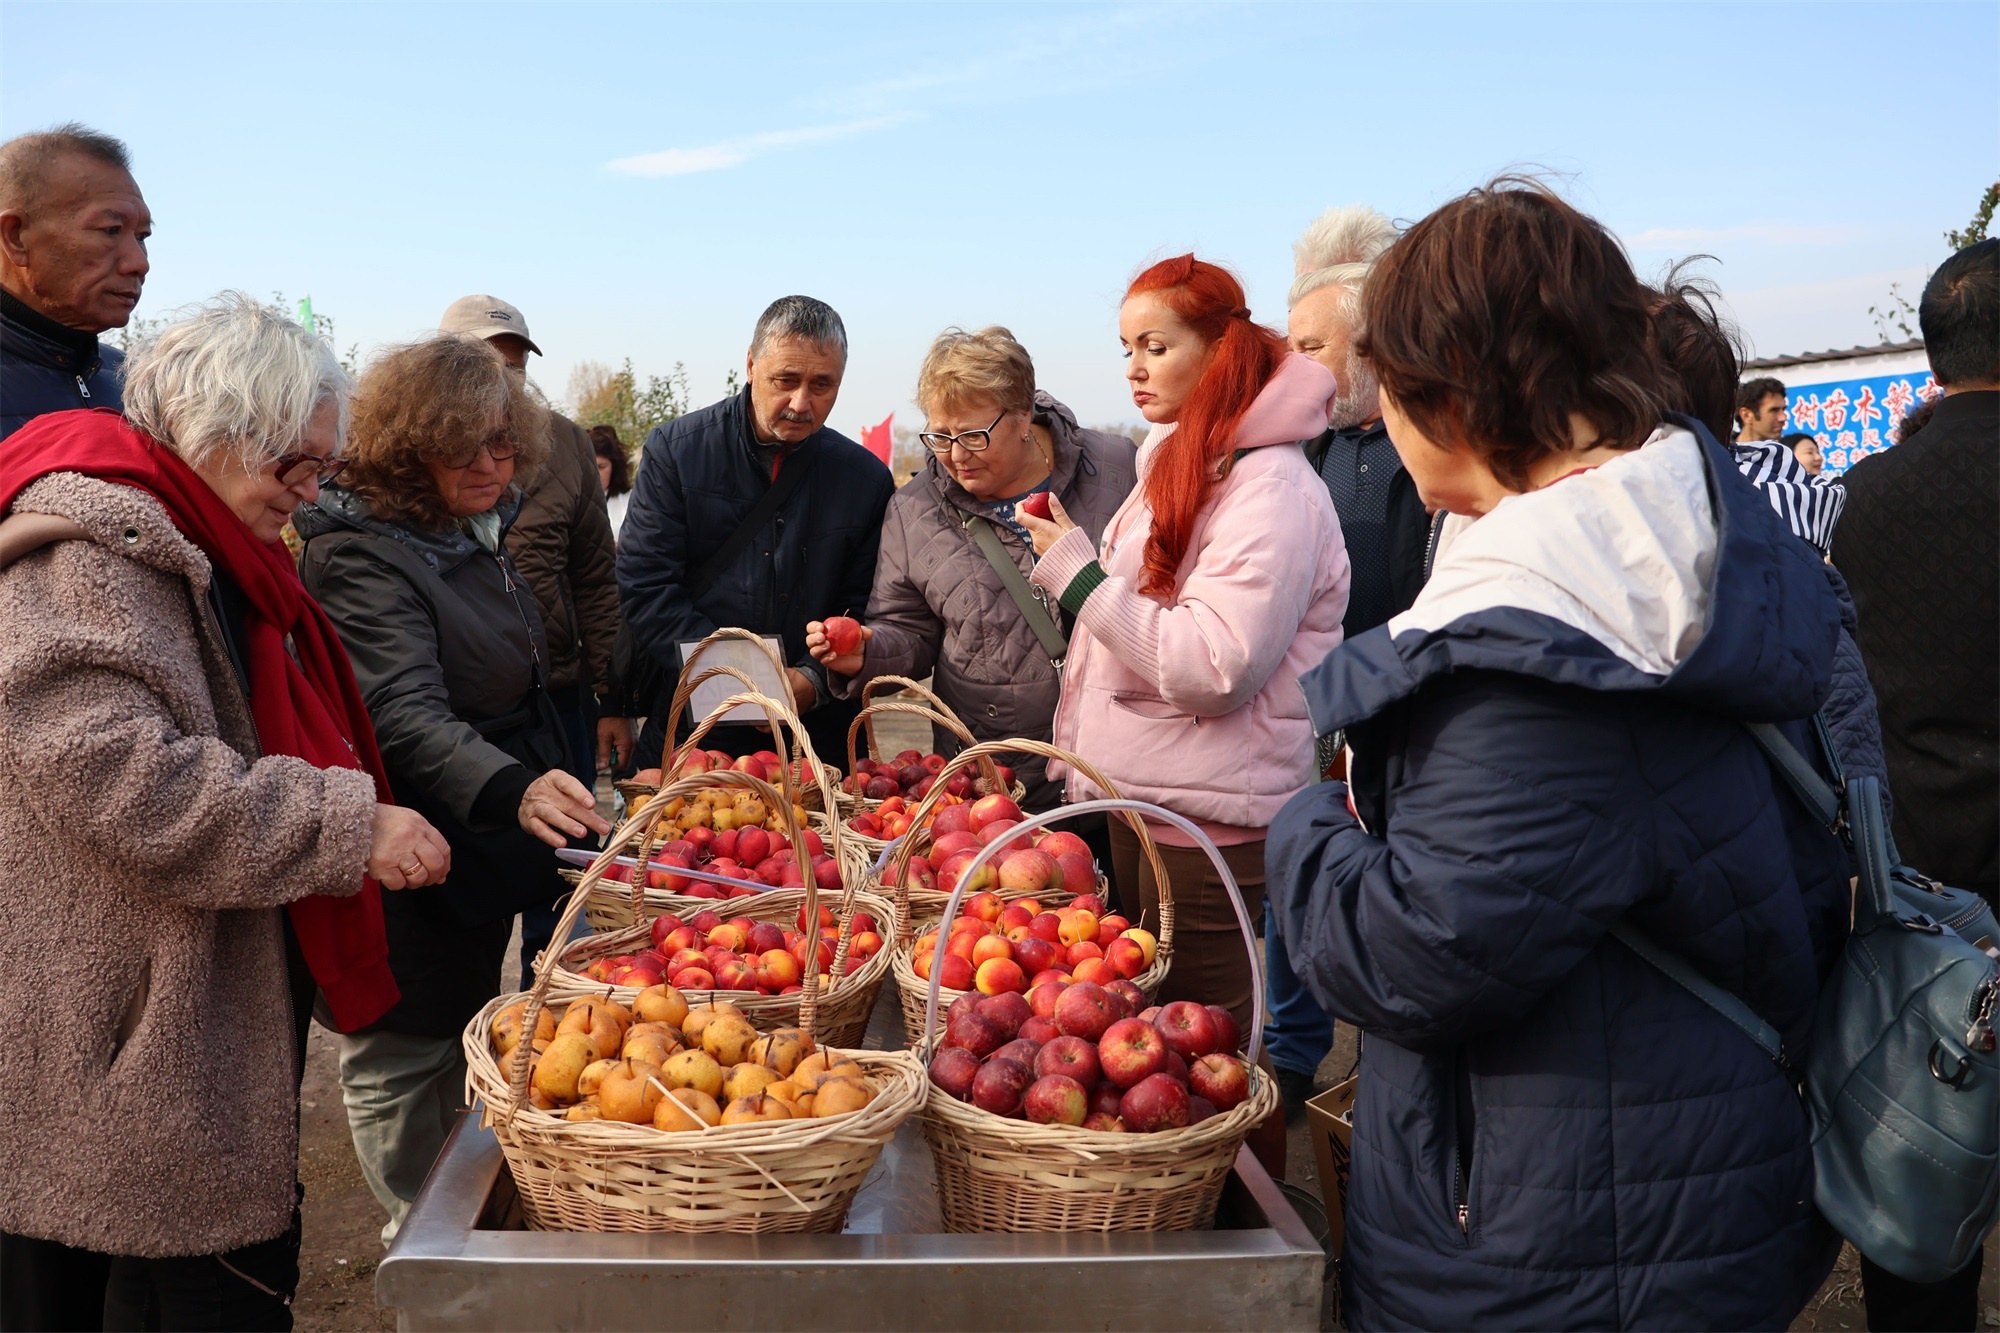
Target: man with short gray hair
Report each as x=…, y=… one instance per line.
x=73, y=231
x=753, y=513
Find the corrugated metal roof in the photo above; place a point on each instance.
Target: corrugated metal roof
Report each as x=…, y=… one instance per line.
x=1834, y=354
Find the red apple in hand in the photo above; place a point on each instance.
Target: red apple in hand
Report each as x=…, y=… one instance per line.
x=1036, y=504
x=843, y=634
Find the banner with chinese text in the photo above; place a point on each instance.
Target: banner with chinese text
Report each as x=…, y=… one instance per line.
x=1852, y=419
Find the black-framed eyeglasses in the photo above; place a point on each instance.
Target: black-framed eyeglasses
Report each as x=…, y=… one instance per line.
x=499, y=446
x=972, y=441
x=295, y=468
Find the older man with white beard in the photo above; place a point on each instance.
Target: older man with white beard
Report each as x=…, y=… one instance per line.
x=1385, y=526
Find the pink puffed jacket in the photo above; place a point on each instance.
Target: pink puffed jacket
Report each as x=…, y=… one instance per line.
x=1194, y=703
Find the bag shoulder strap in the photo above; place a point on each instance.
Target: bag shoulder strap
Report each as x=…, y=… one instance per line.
x=788, y=482
x=1678, y=970
x=1813, y=791
x=1054, y=642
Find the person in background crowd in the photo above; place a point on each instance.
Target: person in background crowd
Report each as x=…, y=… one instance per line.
x=1806, y=449
x=1549, y=1133
x=408, y=557
x=1760, y=410
x=1920, y=547
x=73, y=231
x=1915, y=420
x=199, y=759
x=1383, y=522
x=1219, y=580
x=561, y=542
x=614, y=473
x=939, y=604
x=691, y=563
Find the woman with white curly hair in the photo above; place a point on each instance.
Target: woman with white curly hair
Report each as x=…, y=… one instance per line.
x=184, y=726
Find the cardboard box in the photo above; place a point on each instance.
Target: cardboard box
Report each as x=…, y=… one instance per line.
x=1330, y=1122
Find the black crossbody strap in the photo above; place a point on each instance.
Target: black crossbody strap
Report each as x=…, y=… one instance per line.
x=773, y=499
x=1054, y=642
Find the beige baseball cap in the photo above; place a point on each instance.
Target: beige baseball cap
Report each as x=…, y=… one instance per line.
x=486, y=317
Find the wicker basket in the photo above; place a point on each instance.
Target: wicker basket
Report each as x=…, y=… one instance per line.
x=814, y=796
x=929, y=707
x=788, y=1176
x=911, y=989
x=998, y=1174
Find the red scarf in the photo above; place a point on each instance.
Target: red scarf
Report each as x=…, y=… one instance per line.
x=308, y=707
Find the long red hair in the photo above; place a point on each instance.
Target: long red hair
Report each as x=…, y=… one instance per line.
x=1242, y=357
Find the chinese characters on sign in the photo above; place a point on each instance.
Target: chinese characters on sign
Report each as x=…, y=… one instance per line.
x=1852, y=419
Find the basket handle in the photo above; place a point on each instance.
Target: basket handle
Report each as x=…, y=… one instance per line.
x=906, y=847
x=925, y=696
x=639, y=826
x=1132, y=810
x=946, y=719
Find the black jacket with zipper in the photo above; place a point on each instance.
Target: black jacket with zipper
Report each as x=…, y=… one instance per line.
x=48, y=367
x=448, y=650
x=699, y=477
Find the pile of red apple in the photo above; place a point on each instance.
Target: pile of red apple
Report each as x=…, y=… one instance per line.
x=1060, y=861
x=765, y=764
x=707, y=953
x=900, y=784
x=757, y=858
x=1084, y=1055
x=996, y=946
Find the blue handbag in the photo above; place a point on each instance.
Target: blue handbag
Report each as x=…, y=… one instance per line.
x=1902, y=1083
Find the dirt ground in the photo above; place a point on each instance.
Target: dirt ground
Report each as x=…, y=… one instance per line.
x=343, y=1221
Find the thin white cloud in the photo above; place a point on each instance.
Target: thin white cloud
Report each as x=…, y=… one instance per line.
x=1775, y=233
x=734, y=152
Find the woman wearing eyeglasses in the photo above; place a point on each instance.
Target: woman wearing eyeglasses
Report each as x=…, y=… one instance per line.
x=940, y=606
x=186, y=755
x=407, y=556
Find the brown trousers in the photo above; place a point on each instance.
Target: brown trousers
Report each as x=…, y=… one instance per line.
x=1211, y=963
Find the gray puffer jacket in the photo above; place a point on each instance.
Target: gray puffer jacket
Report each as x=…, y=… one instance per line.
x=939, y=608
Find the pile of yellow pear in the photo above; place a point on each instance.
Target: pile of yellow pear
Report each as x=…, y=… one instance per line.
x=675, y=1067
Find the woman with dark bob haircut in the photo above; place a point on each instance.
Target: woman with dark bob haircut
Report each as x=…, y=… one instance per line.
x=408, y=557
x=1549, y=1133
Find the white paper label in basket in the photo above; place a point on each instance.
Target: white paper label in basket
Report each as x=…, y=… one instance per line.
x=748, y=658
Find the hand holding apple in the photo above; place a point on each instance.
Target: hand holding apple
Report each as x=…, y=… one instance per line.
x=1045, y=532
x=837, y=642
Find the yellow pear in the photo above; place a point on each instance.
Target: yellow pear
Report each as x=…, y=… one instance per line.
x=755, y=1109
x=592, y=1075
x=729, y=1039
x=692, y=1069
x=791, y=1094
x=745, y=1079
x=583, y=1111
x=701, y=1016
x=838, y=1096
x=686, y=1109
x=661, y=1004
x=507, y=1025
x=562, y=1064
x=782, y=1050
x=630, y=1093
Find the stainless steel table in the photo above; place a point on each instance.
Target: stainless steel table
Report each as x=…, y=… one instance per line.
x=462, y=1261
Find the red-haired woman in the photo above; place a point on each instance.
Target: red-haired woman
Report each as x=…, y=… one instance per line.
x=1220, y=579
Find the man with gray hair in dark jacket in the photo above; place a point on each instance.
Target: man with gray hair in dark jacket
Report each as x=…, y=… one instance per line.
x=753, y=513
x=73, y=231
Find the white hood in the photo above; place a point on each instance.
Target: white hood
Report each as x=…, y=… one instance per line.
x=1625, y=553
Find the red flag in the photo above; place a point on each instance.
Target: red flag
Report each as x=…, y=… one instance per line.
x=877, y=440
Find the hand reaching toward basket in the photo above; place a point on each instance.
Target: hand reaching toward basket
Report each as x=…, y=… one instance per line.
x=405, y=852
x=556, y=807
x=838, y=643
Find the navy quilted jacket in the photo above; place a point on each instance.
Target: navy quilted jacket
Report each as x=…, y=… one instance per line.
x=1548, y=1133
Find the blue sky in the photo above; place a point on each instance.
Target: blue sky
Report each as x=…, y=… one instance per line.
x=643, y=179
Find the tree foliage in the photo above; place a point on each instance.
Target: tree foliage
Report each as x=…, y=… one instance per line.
x=1897, y=314
x=1975, y=230
x=601, y=396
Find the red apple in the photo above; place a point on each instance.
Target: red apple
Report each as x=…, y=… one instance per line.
x=999, y=974
x=1076, y=869
x=1036, y=503
x=765, y=937
x=1177, y=1068
x=1035, y=954
x=957, y=973
x=952, y=819
x=1060, y=841
x=1105, y=1098
x=919, y=875
x=1042, y=997
x=1081, y=950
x=694, y=978
x=1223, y=1079
x=975, y=1034
x=1125, y=957
x=1084, y=1010
x=843, y=635
x=953, y=1069
x=1029, y=871
x=1189, y=1030
x=1135, y=999
x=999, y=1086
x=1072, y=1056
x=1006, y=1011
x=954, y=866
x=826, y=875
x=1020, y=1050
x=1057, y=974
x=991, y=809
x=1154, y=1103
x=665, y=924
x=1131, y=1051
x=1200, y=1109
x=1046, y=926
x=1228, y=1037
x=1056, y=1099
x=1039, y=1029
x=1105, y=1122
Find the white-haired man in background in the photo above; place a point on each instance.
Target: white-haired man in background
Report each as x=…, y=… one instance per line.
x=1384, y=523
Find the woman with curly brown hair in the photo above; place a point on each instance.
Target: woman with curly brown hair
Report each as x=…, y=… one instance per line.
x=407, y=555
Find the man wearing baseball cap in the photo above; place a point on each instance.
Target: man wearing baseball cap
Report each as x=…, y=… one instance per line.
x=562, y=542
